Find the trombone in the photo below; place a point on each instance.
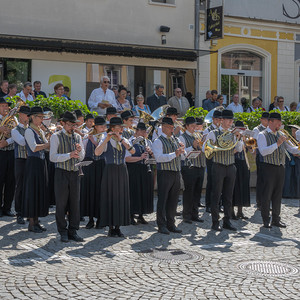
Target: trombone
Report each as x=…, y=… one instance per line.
x=290, y=138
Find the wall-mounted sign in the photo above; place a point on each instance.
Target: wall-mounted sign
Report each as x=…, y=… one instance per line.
x=214, y=23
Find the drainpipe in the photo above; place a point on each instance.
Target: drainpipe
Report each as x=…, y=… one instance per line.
x=196, y=46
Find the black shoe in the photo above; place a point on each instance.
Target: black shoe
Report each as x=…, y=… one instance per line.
x=174, y=229
x=267, y=225
x=178, y=214
x=112, y=233
x=90, y=224
x=8, y=213
x=188, y=221
x=234, y=217
x=119, y=233
x=64, y=238
x=197, y=220
x=200, y=204
x=216, y=226
x=75, y=237
x=141, y=220
x=98, y=226
x=82, y=219
x=227, y=225
x=163, y=230
x=20, y=220
x=242, y=216
x=279, y=224
x=35, y=229
x=41, y=227
x=208, y=210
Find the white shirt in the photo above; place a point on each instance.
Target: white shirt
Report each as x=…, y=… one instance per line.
x=211, y=136
x=285, y=108
x=97, y=96
x=17, y=136
x=113, y=142
x=206, y=131
x=188, y=149
x=157, y=149
x=256, y=131
x=30, y=139
x=266, y=150
x=9, y=140
x=235, y=108
x=23, y=97
x=156, y=133
x=61, y=157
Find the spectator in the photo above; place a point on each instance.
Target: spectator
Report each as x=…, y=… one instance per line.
x=235, y=106
x=220, y=100
x=115, y=90
x=280, y=104
x=140, y=105
x=37, y=89
x=12, y=90
x=157, y=99
x=122, y=102
x=274, y=104
x=129, y=98
x=59, y=91
x=260, y=103
x=67, y=92
x=298, y=107
x=102, y=98
x=190, y=98
x=244, y=103
x=3, y=88
x=179, y=102
x=293, y=106
x=210, y=104
x=27, y=93
x=208, y=96
x=254, y=106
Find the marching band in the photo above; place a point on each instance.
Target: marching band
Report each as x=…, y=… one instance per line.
x=120, y=158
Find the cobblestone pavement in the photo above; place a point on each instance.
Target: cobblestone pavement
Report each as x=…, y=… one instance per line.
x=252, y=263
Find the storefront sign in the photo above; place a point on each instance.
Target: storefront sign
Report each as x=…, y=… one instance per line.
x=214, y=23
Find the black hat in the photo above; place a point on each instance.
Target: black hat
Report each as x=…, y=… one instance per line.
x=265, y=115
x=99, y=121
x=239, y=124
x=2, y=101
x=61, y=117
x=46, y=108
x=78, y=113
x=127, y=114
x=89, y=116
x=115, y=121
x=141, y=126
x=24, y=110
x=190, y=120
x=199, y=121
x=227, y=114
x=275, y=116
x=167, y=120
x=171, y=111
x=111, y=110
x=69, y=117
x=36, y=110
x=217, y=114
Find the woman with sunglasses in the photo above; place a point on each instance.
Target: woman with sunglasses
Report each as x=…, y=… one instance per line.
x=140, y=105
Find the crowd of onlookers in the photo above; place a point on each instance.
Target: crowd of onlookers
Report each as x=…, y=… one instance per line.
x=121, y=98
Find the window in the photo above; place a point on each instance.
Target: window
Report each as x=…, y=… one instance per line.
x=163, y=2
x=114, y=75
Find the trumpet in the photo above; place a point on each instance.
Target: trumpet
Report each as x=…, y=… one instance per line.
x=180, y=125
x=251, y=142
x=199, y=138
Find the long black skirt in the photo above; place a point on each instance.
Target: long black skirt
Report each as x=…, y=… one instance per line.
x=241, y=193
x=291, y=188
x=141, y=189
x=90, y=191
x=35, y=202
x=115, y=203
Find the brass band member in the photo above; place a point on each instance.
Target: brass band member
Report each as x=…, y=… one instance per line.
x=167, y=150
x=91, y=182
x=89, y=121
x=115, y=197
x=260, y=177
x=35, y=200
x=192, y=173
x=127, y=117
x=140, y=176
x=272, y=146
x=111, y=112
x=223, y=170
x=65, y=151
x=216, y=121
x=7, y=177
x=18, y=135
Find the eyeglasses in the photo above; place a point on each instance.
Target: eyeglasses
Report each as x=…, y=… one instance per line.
x=106, y=82
x=178, y=91
x=280, y=101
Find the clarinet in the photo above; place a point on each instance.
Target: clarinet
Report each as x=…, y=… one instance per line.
x=74, y=148
x=137, y=140
x=145, y=162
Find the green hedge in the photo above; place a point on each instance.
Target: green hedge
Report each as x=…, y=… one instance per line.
x=250, y=119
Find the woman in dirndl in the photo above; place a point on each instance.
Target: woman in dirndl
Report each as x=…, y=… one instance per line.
x=35, y=202
x=115, y=198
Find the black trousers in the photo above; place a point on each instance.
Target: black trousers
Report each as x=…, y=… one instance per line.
x=272, y=191
x=209, y=183
x=67, y=195
x=168, y=187
x=193, y=181
x=259, y=182
x=7, y=179
x=223, y=180
x=19, y=177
